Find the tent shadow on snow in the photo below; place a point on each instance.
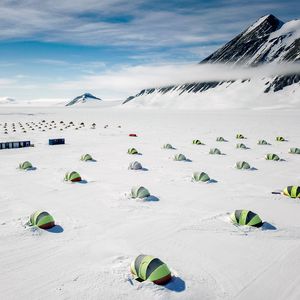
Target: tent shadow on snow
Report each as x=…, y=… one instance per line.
x=82, y=181
x=212, y=181
x=176, y=285
x=31, y=169
x=56, y=229
x=143, y=169
x=268, y=226
x=151, y=198
x=253, y=169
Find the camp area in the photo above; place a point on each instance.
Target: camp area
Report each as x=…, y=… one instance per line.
x=177, y=212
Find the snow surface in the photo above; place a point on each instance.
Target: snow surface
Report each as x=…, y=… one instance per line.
x=101, y=230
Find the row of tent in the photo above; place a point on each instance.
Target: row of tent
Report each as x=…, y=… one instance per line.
x=241, y=137
x=216, y=151
x=26, y=165
x=293, y=150
x=43, y=126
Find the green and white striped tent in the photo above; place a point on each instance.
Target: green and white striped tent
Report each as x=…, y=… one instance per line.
x=272, y=156
x=180, y=157
x=241, y=146
x=135, y=165
x=168, y=146
x=41, y=219
x=294, y=150
x=201, y=176
x=139, y=192
x=242, y=165
x=280, y=139
x=197, y=142
x=292, y=191
x=240, y=136
x=215, y=151
x=72, y=176
x=26, y=165
x=262, y=142
x=86, y=157
x=220, y=139
x=132, y=151
x=146, y=267
x=246, y=217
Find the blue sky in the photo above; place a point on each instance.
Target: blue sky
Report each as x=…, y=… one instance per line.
x=46, y=45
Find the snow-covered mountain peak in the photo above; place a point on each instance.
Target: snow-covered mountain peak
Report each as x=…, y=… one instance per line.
x=264, y=24
x=267, y=41
x=7, y=100
x=86, y=97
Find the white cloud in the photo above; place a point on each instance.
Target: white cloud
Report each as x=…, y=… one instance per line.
x=130, y=80
x=91, y=21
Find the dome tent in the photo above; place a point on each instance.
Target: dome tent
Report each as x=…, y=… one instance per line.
x=168, y=146
x=26, y=165
x=132, y=151
x=197, y=142
x=280, y=139
x=139, y=192
x=292, y=191
x=135, y=165
x=146, y=267
x=262, y=142
x=220, y=139
x=241, y=146
x=240, y=136
x=215, y=151
x=294, y=150
x=272, y=156
x=86, y=157
x=72, y=176
x=246, y=217
x=242, y=165
x=201, y=176
x=179, y=157
x=41, y=219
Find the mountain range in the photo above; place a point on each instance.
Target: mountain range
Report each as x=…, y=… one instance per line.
x=267, y=41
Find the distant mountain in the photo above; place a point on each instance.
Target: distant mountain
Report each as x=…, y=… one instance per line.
x=7, y=100
x=87, y=97
x=267, y=41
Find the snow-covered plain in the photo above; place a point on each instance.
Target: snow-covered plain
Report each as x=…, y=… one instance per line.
x=102, y=230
